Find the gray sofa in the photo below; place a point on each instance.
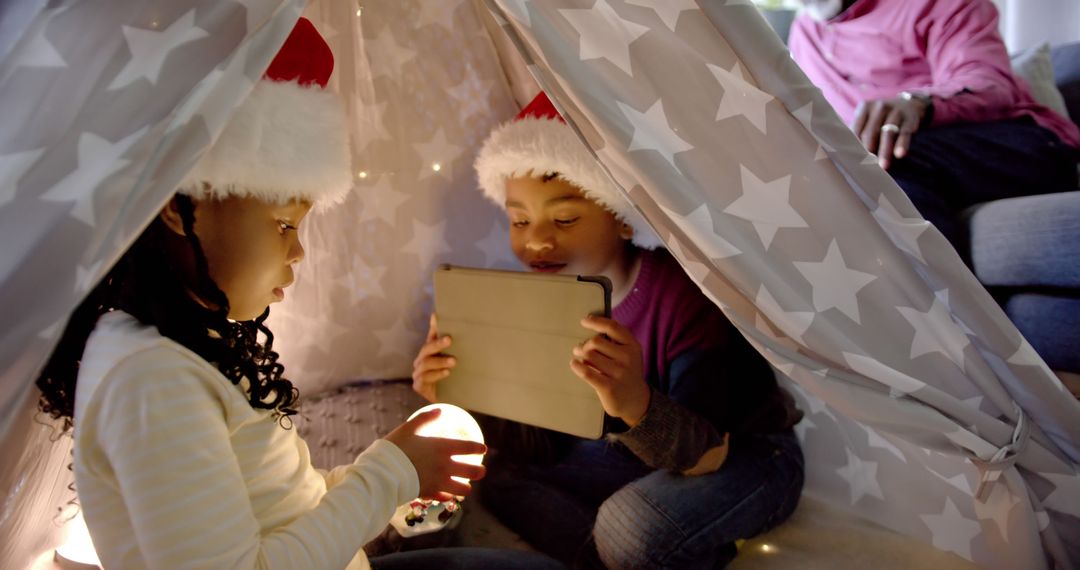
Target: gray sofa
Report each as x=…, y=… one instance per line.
x=1027, y=250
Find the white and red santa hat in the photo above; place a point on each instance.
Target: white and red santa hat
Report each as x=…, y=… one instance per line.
x=538, y=141
x=289, y=139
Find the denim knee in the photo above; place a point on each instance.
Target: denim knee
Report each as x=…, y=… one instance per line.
x=629, y=531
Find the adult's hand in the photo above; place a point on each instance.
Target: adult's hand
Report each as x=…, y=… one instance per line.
x=885, y=126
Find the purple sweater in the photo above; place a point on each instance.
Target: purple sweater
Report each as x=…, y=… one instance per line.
x=705, y=377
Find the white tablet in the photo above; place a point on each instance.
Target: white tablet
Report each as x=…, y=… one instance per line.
x=513, y=334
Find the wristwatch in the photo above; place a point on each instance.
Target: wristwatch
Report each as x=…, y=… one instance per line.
x=926, y=100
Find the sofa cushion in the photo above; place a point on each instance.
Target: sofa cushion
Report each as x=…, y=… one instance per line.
x=1027, y=241
x=1051, y=323
x=1065, y=59
x=1033, y=66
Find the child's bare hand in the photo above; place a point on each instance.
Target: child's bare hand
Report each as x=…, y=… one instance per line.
x=611, y=363
x=432, y=459
x=430, y=364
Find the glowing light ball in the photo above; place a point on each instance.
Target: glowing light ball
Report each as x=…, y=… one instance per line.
x=453, y=423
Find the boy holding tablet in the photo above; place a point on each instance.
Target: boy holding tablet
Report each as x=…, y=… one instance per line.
x=702, y=453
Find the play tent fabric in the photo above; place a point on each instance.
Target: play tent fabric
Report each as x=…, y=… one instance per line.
x=106, y=106
x=760, y=192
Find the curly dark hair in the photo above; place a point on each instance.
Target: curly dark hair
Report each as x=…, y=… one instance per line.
x=148, y=286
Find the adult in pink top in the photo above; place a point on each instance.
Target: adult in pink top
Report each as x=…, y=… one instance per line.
x=927, y=86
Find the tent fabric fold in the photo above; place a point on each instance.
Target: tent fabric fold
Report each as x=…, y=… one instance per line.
x=771, y=204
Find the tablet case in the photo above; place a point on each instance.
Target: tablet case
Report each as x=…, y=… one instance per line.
x=513, y=336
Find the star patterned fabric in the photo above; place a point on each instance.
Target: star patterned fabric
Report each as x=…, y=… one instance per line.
x=913, y=381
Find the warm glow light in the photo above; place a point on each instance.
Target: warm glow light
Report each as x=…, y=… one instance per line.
x=78, y=548
x=436, y=167
x=362, y=174
x=453, y=423
x=359, y=11
x=767, y=548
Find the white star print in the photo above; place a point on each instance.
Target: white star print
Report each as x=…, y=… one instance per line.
x=370, y=124
x=785, y=368
x=397, y=339
x=959, y=482
x=805, y=115
x=765, y=205
x=891, y=377
x=935, y=331
x=363, y=281
x=835, y=285
x=951, y=530
x=815, y=404
x=740, y=98
x=12, y=168
x=519, y=11
x=150, y=48
x=428, y=243
x=98, y=159
x=604, y=34
x=386, y=55
x=437, y=153
x=653, y=132
x=801, y=429
x=380, y=201
x=1066, y=490
x=698, y=225
x=668, y=10
x=298, y=326
x=1025, y=355
x=861, y=476
x=439, y=12
x=86, y=277
x=39, y=52
x=997, y=507
x=876, y=440
x=496, y=247
x=906, y=231
x=697, y=271
x=52, y=330
x=259, y=12
x=231, y=80
x=471, y=94
x=792, y=323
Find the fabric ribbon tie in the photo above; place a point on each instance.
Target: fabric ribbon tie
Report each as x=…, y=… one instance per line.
x=1004, y=458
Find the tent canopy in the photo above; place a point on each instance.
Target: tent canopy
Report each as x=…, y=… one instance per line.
x=926, y=409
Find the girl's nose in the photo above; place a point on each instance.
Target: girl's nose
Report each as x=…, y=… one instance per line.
x=296, y=251
x=540, y=239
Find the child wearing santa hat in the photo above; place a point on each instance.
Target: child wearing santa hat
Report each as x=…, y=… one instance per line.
x=704, y=453
x=183, y=452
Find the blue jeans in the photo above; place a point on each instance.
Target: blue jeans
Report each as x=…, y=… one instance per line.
x=601, y=506
x=465, y=559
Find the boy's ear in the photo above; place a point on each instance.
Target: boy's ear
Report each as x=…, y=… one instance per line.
x=626, y=232
x=170, y=214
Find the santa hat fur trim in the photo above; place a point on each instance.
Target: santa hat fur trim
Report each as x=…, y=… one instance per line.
x=541, y=145
x=284, y=142
x=289, y=139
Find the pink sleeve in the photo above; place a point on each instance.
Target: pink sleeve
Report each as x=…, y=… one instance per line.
x=972, y=76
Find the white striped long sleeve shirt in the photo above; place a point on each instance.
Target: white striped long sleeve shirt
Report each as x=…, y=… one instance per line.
x=175, y=469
